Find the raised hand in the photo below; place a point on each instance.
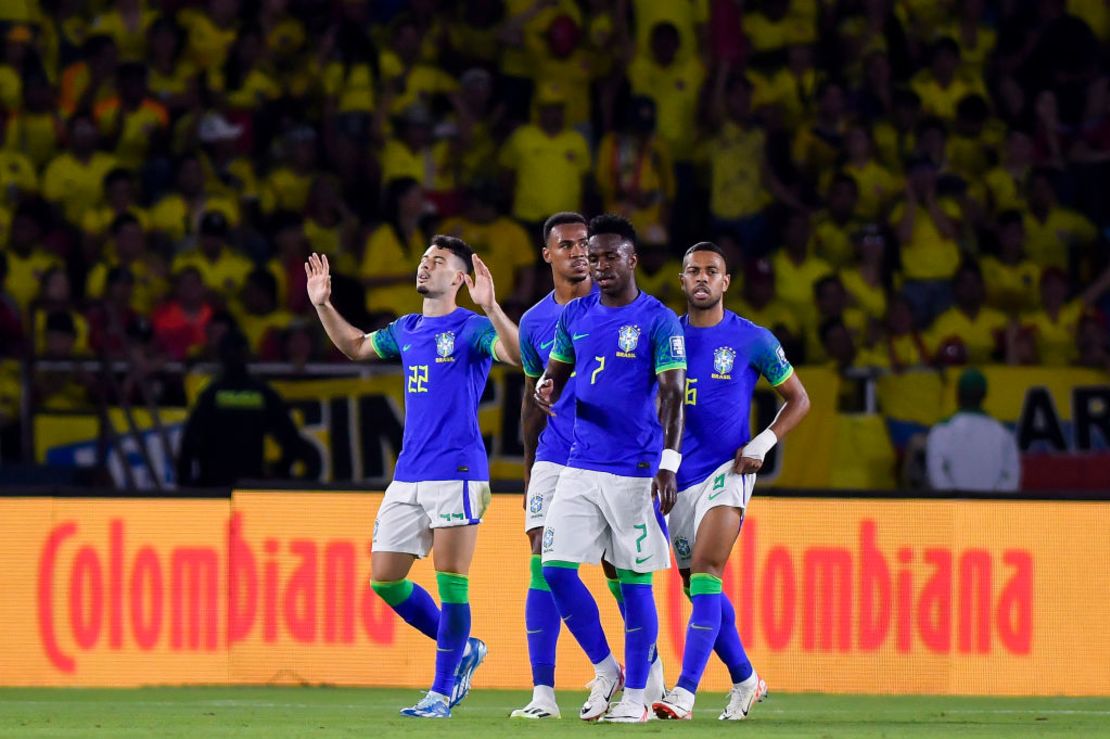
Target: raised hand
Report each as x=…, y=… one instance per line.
x=481, y=285
x=319, y=278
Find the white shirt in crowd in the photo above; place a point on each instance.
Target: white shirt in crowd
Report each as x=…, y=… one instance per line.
x=972, y=451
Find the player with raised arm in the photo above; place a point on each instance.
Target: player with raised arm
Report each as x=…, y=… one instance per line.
x=440, y=486
x=726, y=354
x=547, y=441
x=625, y=348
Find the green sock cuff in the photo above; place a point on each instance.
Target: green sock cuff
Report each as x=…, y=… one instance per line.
x=536, y=567
x=392, y=591
x=634, y=578
x=453, y=588
x=702, y=583
x=561, y=564
x=615, y=589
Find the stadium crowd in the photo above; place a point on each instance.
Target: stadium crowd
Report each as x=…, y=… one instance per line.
x=904, y=182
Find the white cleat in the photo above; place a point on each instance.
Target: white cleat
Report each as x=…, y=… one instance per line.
x=602, y=690
x=741, y=698
x=537, y=710
x=627, y=712
x=675, y=706
x=656, y=686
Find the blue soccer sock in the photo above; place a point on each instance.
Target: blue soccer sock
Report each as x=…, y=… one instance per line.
x=578, y=610
x=412, y=603
x=701, y=633
x=641, y=627
x=541, y=620
x=729, y=647
x=454, y=628
x=618, y=596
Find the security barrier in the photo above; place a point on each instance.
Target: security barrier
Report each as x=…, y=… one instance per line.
x=831, y=594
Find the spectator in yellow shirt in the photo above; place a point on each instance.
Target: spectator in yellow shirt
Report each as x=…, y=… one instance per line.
x=501, y=243
x=942, y=86
x=287, y=186
x=147, y=269
x=969, y=332
x=392, y=248
x=172, y=78
x=796, y=269
x=405, y=76
x=178, y=213
x=878, y=186
x=674, y=84
x=55, y=295
x=690, y=20
x=132, y=123
x=246, y=81
x=127, y=24
x=222, y=270
x=896, y=138
x=759, y=303
x=1055, y=324
x=74, y=180
x=926, y=228
x=37, y=130
x=28, y=262
x=17, y=176
x=1011, y=278
x=87, y=82
x=210, y=31
x=902, y=344
x=564, y=61
x=868, y=280
x=259, y=316
x=831, y=301
x=635, y=175
x=817, y=146
x=1005, y=183
x=350, y=71
x=976, y=140
x=227, y=174
x=416, y=154
x=836, y=226
x=1055, y=236
x=546, y=163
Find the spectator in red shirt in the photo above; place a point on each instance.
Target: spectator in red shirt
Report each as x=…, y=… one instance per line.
x=179, y=324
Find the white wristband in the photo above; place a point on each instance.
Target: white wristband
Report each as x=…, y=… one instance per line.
x=760, y=445
x=671, y=460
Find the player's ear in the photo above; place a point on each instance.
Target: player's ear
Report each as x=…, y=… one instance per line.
x=546, y=253
x=726, y=282
x=633, y=259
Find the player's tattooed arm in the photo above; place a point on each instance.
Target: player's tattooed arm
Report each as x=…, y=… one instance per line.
x=482, y=293
x=550, y=385
x=793, y=410
x=352, y=342
x=532, y=421
x=672, y=385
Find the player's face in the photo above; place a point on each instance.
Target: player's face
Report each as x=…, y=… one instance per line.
x=612, y=262
x=567, y=250
x=704, y=279
x=440, y=273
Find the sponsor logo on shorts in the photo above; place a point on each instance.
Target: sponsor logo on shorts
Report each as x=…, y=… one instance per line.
x=548, y=539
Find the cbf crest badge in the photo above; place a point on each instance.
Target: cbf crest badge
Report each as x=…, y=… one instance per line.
x=723, y=359
x=445, y=344
x=628, y=338
x=682, y=547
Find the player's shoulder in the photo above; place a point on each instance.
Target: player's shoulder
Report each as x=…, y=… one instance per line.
x=541, y=311
x=649, y=305
x=582, y=305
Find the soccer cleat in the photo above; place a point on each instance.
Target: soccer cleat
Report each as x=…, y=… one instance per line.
x=474, y=656
x=627, y=712
x=741, y=698
x=602, y=690
x=537, y=710
x=674, y=706
x=656, y=686
x=428, y=707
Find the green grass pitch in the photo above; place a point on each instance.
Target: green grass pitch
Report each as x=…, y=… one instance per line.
x=327, y=712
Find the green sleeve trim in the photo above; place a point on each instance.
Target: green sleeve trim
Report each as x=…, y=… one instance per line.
x=392, y=592
x=670, y=366
x=374, y=345
x=629, y=577
x=702, y=583
x=453, y=588
x=560, y=358
x=561, y=564
x=493, y=348
x=533, y=376
x=615, y=589
x=535, y=567
x=784, y=379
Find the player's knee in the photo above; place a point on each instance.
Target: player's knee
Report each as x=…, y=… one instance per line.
x=560, y=575
x=706, y=566
x=392, y=591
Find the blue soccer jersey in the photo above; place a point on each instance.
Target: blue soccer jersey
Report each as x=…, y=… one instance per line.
x=616, y=353
x=724, y=363
x=537, y=337
x=446, y=361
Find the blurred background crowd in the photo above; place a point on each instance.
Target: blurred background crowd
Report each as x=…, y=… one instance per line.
x=899, y=183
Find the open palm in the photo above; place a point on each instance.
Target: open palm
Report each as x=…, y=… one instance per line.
x=319, y=278
x=481, y=285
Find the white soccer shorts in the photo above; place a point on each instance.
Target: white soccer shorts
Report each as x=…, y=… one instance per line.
x=723, y=487
x=541, y=491
x=598, y=513
x=410, y=510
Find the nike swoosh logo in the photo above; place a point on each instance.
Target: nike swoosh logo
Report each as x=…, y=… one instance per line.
x=637, y=628
x=715, y=495
x=441, y=649
x=547, y=344
x=641, y=560
x=576, y=337
x=701, y=628
x=533, y=631
x=406, y=347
